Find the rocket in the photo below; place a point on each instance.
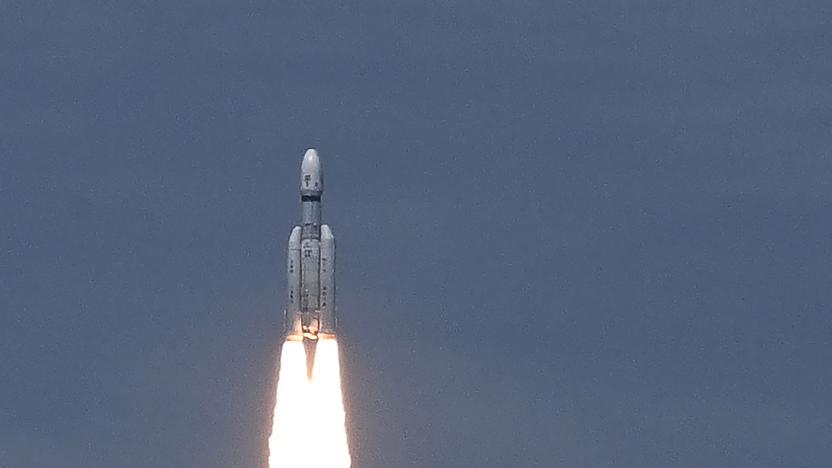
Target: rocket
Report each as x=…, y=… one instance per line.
x=310, y=269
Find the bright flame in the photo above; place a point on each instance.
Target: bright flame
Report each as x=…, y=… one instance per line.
x=308, y=429
x=287, y=447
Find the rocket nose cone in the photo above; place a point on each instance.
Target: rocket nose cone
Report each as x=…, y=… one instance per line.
x=311, y=161
x=312, y=177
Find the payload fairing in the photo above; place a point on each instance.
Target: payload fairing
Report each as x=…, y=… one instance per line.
x=310, y=312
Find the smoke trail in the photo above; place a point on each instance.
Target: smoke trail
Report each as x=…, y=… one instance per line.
x=308, y=429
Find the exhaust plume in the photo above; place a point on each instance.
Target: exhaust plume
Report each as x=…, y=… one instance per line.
x=308, y=430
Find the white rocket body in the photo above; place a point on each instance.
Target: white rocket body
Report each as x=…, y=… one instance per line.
x=310, y=311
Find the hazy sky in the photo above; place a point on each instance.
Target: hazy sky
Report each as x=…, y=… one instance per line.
x=571, y=234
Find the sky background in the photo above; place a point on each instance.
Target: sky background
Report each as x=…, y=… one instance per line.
x=571, y=234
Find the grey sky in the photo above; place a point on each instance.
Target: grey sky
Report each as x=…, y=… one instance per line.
x=571, y=234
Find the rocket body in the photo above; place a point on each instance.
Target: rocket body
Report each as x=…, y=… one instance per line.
x=310, y=311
